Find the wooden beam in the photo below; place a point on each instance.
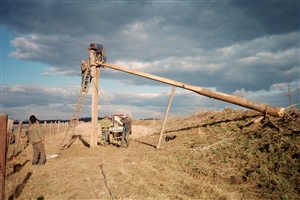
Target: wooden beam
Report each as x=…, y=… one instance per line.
x=261, y=107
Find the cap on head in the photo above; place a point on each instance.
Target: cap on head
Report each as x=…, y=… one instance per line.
x=33, y=119
x=105, y=116
x=82, y=62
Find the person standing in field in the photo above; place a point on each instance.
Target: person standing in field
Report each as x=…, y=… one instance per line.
x=36, y=138
x=105, y=124
x=127, y=130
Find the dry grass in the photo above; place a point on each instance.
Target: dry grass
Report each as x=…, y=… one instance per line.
x=208, y=155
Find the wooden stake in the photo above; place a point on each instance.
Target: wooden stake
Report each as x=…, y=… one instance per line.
x=166, y=117
x=17, y=138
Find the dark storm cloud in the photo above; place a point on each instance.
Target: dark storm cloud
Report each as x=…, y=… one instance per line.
x=70, y=18
x=226, y=45
x=273, y=17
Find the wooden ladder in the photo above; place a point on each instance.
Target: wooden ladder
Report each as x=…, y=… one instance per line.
x=77, y=110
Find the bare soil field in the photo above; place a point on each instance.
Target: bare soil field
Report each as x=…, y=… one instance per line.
x=231, y=154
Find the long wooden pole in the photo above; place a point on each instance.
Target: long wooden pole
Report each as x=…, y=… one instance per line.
x=165, y=119
x=261, y=107
x=95, y=78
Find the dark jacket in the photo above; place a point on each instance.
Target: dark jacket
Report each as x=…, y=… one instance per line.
x=127, y=123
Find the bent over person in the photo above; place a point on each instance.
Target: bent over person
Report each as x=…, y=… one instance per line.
x=99, y=51
x=36, y=138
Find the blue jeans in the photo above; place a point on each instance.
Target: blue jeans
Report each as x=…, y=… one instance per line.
x=125, y=135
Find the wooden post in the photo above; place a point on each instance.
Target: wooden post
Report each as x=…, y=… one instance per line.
x=10, y=126
x=264, y=108
x=166, y=117
x=45, y=130
x=50, y=129
x=58, y=127
x=3, y=152
x=17, y=138
x=94, y=113
x=55, y=127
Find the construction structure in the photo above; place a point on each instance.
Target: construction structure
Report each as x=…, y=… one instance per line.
x=96, y=65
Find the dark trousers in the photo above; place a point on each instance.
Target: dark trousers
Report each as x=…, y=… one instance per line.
x=104, y=136
x=101, y=56
x=125, y=136
x=38, y=153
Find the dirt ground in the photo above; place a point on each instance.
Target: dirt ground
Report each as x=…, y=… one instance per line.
x=205, y=156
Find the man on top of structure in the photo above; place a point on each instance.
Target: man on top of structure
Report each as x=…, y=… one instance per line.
x=99, y=51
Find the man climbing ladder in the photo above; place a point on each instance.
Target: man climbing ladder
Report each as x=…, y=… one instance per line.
x=85, y=73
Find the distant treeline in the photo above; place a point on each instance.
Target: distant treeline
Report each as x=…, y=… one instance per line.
x=86, y=119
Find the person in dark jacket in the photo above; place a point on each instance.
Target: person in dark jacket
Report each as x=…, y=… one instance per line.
x=127, y=130
x=36, y=138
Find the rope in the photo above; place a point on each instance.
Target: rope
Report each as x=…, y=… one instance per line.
x=111, y=195
x=98, y=91
x=107, y=101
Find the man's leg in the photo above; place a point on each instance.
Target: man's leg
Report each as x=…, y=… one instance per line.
x=106, y=135
x=35, y=154
x=123, y=136
x=126, y=138
x=103, y=55
x=41, y=149
x=103, y=137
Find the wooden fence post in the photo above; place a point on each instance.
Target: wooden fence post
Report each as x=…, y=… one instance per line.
x=10, y=125
x=3, y=152
x=50, y=131
x=44, y=129
x=55, y=127
x=17, y=138
x=58, y=127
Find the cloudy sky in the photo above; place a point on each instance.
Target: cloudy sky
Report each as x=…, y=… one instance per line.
x=244, y=48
